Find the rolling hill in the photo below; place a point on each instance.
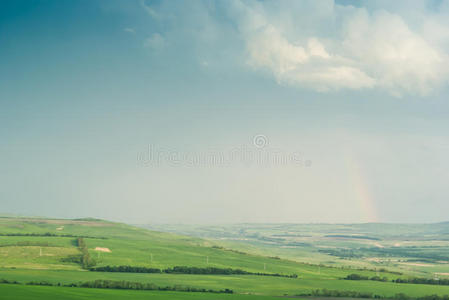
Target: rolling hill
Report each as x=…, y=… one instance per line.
x=49, y=252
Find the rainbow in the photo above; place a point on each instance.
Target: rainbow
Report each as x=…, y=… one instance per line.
x=364, y=197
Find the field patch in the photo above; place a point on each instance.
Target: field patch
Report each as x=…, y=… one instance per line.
x=35, y=257
x=23, y=292
x=101, y=249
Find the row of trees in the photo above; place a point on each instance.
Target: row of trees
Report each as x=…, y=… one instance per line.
x=339, y=293
x=365, y=295
x=126, y=269
x=381, y=270
x=86, y=260
x=6, y=281
x=415, y=280
x=49, y=234
x=443, y=281
x=185, y=270
x=126, y=285
x=413, y=253
x=361, y=277
x=359, y=237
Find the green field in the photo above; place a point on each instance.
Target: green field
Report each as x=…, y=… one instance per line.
x=62, y=293
x=414, y=249
x=38, y=250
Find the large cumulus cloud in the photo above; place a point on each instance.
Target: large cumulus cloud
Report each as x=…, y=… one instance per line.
x=322, y=45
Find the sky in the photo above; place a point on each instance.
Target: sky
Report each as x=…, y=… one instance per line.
x=225, y=111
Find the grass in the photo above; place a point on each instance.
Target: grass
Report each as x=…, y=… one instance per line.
x=239, y=284
x=381, y=246
x=21, y=292
x=139, y=247
x=36, y=257
x=21, y=260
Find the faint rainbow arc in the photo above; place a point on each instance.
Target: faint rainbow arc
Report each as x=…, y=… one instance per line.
x=363, y=195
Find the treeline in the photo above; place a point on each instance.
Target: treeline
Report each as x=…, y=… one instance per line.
x=49, y=234
x=414, y=252
x=219, y=271
x=365, y=295
x=382, y=270
x=345, y=294
x=123, y=285
x=5, y=281
x=86, y=260
x=361, y=277
x=428, y=297
x=443, y=281
x=359, y=237
x=230, y=250
x=185, y=270
x=415, y=280
x=127, y=285
x=342, y=253
x=125, y=269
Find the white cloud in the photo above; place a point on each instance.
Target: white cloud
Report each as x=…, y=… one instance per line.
x=365, y=51
x=399, y=48
x=310, y=65
x=400, y=60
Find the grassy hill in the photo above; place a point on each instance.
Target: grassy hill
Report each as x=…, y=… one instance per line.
x=413, y=249
x=38, y=249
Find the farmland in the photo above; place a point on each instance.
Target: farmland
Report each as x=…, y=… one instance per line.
x=419, y=249
x=38, y=251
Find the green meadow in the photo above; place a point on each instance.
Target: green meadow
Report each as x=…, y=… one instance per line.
x=40, y=250
x=63, y=293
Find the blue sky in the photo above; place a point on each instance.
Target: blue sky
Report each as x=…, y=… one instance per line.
x=356, y=90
